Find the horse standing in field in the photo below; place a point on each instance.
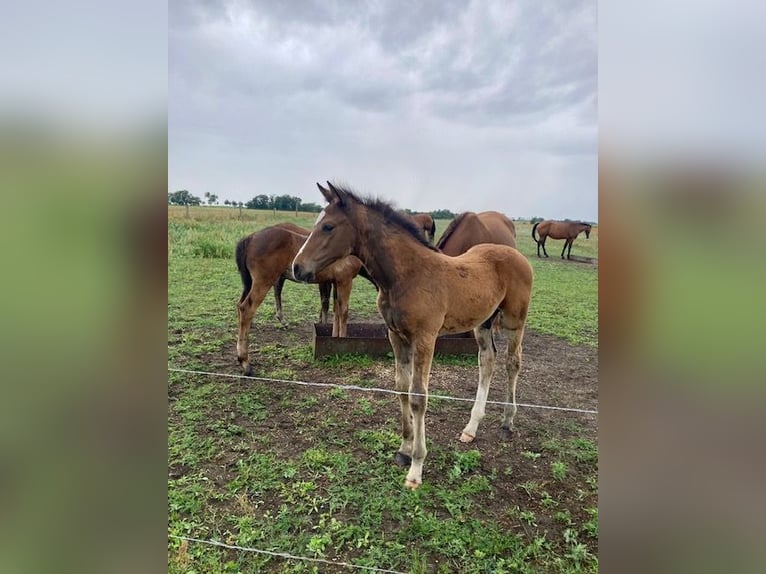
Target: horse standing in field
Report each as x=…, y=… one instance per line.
x=423, y=294
x=567, y=230
x=469, y=229
x=426, y=223
x=264, y=259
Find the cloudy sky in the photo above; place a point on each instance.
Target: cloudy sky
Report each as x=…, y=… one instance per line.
x=444, y=104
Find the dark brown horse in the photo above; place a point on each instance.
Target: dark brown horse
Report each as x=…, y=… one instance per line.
x=264, y=260
x=425, y=222
x=566, y=230
x=423, y=294
x=469, y=229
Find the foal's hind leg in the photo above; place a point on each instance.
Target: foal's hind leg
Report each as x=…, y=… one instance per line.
x=278, y=284
x=246, y=308
x=542, y=242
x=324, y=296
x=340, y=308
x=514, y=336
x=566, y=243
x=487, y=354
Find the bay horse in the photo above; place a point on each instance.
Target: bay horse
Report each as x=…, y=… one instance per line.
x=264, y=259
x=423, y=294
x=566, y=230
x=469, y=229
x=425, y=222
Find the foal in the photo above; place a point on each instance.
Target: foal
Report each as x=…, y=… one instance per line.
x=423, y=294
x=264, y=260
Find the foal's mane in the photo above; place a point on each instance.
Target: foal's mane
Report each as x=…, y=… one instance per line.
x=451, y=229
x=391, y=217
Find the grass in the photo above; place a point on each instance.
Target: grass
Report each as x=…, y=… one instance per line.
x=309, y=472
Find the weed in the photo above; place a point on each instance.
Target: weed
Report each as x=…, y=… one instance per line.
x=558, y=470
x=531, y=455
x=364, y=406
x=465, y=462
x=530, y=487
x=590, y=527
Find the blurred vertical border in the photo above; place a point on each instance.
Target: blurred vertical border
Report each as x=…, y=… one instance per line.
x=83, y=170
x=682, y=284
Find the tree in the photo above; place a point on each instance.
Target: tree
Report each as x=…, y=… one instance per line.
x=259, y=202
x=442, y=214
x=211, y=198
x=183, y=197
x=311, y=207
x=535, y=220
x=226, y=202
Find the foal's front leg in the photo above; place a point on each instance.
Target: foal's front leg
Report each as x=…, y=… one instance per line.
x=421, y=369
x=403, y=365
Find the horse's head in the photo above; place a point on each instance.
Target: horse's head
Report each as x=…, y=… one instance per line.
x=587, y=232
x=332, y=237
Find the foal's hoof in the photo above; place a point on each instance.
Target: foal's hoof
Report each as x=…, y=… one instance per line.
x=411, y=484
x=402, y=459
x=465, y=437
x=248, y=370
x=506, y=433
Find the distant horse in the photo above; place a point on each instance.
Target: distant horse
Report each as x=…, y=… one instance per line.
x=423, y=294
x=264, y=260
x=469, y=229
x=567, y=230
x=425, y=222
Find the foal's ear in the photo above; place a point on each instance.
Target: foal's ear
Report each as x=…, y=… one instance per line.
x=337, y=195
x=326, y=192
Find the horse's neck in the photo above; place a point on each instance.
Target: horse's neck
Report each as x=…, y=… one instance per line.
x=386, y=252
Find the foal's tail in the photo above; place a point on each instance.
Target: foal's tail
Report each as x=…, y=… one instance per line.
x=240, y=254
x=534, y=227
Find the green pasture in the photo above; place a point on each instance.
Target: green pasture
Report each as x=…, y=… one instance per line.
x=292, y=469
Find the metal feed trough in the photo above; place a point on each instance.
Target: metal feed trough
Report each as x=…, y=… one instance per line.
x=372, y=339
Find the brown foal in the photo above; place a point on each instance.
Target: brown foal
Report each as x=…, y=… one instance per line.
x=423, y=294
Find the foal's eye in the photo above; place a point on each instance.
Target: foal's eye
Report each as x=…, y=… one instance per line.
x=327, y=228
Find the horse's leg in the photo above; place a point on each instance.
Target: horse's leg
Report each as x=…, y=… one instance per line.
x=421, y=369
x=514, y=334
x=403, y=362
x=324, y=296
x=246, y=308
x=487, y=353
x=278, y=284
x=569, y=253
x=340, y=307
x=566, y=242
x=542, y=242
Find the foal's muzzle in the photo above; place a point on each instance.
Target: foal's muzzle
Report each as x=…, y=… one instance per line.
x=302, y=274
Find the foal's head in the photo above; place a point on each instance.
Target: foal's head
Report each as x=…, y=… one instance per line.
x=332, y=237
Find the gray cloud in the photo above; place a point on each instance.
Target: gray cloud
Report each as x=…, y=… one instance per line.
x=418, y=102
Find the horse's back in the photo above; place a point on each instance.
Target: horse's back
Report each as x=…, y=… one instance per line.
x=505, y=258
x=270, y=251
x=500, y=229
x=294, y=228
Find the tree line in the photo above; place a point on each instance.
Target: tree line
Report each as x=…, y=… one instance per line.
x=282, y=203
